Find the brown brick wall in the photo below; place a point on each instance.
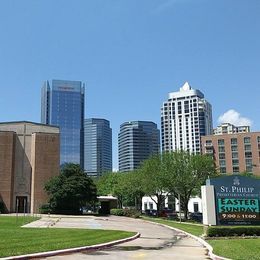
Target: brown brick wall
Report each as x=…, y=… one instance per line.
x=255, y=149
x=7, y=143
x=45, y=152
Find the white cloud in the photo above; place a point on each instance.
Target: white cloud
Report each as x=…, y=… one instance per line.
x=233, y=117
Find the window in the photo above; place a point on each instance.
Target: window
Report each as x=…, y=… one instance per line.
x=222, y=169
x=221, y=149
x=235, y=162
x=221, y=142
x=222, y=163
x=249, y=162
x=222, y=156
x=248, y=154
x=233, y=141
x=247, y=140
x=186, y=106
x=235, y=169
x=249, y=168
x=196, y=206
x=150, y=205
x=179, y=108
x=234, y=155
x=248, y=147
x=234, y=148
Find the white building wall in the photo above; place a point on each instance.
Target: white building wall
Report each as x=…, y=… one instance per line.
x=152, y=205
x=177, y=133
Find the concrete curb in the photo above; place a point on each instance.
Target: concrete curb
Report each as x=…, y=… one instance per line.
x=74, y=250
x=202, y=241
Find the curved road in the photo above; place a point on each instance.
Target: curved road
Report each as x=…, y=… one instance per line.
x=156, y=242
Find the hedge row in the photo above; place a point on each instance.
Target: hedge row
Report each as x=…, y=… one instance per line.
x=125, y=212
x=233, y=231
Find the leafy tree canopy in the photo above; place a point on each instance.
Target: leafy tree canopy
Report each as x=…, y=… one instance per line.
x=179, y=173
x=71, y=190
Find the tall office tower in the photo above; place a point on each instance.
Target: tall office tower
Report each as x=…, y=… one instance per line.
x=62, y=105
x=185, y=117
x=97, y=146
x=137, y=141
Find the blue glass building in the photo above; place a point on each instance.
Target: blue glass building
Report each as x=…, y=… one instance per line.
x=62, y=105
x=137, y=141
x=97, y=146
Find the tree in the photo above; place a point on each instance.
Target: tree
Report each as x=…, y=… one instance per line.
x=133, y=188
x=186, y=173
x=71, y=190
x=111, y=184
x=154, y=180
x=125, y=186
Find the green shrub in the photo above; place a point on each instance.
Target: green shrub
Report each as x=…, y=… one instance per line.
x=133, y=213
x=233, y=231
x=117, y=212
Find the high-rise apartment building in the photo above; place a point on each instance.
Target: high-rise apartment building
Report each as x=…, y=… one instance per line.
x=97, y=146
x=185, y=117
x=234, y=152
x=137, y=141
x=62, y=105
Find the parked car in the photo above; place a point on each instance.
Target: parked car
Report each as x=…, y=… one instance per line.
x=151, y=212
x=196, y=216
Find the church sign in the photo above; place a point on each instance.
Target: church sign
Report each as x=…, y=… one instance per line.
x=236, y=200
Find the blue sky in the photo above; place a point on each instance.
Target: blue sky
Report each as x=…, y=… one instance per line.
x=131, y=54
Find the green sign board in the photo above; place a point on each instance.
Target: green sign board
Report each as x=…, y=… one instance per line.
x=237, y=200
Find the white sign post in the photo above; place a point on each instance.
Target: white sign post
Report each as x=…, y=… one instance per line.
x=208, y=205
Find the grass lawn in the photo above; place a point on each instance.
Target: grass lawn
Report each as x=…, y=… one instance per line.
x=236, y=249
x=196, y=230
x=15, y=240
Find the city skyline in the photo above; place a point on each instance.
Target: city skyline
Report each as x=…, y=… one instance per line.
x=131, y=54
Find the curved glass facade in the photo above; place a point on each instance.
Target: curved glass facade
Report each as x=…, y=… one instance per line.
x=97, y=146
x=137, y=141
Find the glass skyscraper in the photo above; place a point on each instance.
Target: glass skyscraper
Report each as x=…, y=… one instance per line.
x=62, y=105
x=137, y=141
x=97, y=146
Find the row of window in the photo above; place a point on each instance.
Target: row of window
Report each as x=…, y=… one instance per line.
x=221, y=142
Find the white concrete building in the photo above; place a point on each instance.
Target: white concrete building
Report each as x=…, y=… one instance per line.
x=195, y=204
x=185, y=117
x=228, y=128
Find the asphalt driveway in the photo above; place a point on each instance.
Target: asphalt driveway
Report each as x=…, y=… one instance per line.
x=156, y=242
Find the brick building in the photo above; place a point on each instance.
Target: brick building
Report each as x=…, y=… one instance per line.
x=29, y=156
x=235, y=152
